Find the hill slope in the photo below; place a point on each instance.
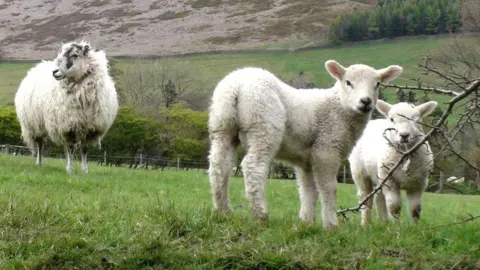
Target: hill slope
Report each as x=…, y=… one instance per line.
x=134, y=27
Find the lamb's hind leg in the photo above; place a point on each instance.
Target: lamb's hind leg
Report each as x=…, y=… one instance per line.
x=261, y=148
x=222, y=160
x=308, y=194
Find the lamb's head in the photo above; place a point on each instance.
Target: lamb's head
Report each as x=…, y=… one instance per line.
x=359, y=84
x=405, y=121
x=72, y=61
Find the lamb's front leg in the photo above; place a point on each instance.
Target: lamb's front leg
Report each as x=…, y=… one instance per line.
x=308, y=194
x=325, y=175
x=391, y=191
x=414, y=198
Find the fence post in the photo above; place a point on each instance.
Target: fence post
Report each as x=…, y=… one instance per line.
x=6, y=148
x=141, y=159
x=344, y=174
x=477, y=179
x=105, y=157
x=441, y=182
x=178, y=163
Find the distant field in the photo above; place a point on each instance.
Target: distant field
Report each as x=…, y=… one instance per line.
x=137, y=219
x=406, y=53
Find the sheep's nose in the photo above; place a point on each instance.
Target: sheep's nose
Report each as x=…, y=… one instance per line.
x=404, y=135
x=366, y=101
x=55, y=71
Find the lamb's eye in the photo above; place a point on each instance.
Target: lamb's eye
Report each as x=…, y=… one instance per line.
x=391, y=120
x=349, y=83
x=74, y=56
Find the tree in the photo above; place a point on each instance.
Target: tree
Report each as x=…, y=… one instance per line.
x=153, y=84
x=9, y=126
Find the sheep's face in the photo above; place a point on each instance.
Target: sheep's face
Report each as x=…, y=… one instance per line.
x=405, y=121
x=72, y=61
x=360, y=84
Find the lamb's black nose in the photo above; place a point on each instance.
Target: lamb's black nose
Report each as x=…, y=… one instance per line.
x=366, y=101
x=55, y=71
x=404, y=135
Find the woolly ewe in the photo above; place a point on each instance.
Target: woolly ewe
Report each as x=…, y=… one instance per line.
x=71, y=100
x=377, y=151
x=310, y=129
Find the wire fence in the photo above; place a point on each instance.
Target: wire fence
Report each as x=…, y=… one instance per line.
x=458, y=184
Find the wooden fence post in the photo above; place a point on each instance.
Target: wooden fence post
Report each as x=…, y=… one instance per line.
x=141, y=160
x=105, y=157
x=477, y=179
x=178, y=163
x=344, y=174
x=441, y=182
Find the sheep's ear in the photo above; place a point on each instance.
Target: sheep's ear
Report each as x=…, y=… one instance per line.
x=389, y=73
x=426, y=108
x=86, y=49
x=383, y=107
x=335, y=69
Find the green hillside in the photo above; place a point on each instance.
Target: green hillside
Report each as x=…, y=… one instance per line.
x=406, y=53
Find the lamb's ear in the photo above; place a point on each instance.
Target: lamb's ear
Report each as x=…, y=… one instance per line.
x=389, y=73
x=336, y=70
x=426, y=108
x=86, y=48
x=383, y=107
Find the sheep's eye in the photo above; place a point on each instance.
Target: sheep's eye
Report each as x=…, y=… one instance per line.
x=349, y=83
x=391, y=120
x=74, y=56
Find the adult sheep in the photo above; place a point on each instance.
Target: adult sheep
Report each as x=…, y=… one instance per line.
x=309, y=129
x=377, y=151
x=72, y=101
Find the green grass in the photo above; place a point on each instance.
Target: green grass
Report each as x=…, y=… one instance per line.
x=136, y=219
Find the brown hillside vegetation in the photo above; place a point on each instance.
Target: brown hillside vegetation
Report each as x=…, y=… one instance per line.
x=34, y=29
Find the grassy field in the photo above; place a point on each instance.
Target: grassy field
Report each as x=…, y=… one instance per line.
x=134, y=219
x=406, y=53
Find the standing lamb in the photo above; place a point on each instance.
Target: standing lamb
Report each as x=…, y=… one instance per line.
x=377, y=151
x=310, y=129
x=71, y=100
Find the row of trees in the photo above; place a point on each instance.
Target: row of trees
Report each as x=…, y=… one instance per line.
x=394, y=18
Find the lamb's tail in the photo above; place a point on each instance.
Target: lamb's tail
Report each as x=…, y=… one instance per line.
x=223, y=114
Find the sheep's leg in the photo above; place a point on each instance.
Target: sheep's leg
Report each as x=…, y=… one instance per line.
x=414, y=198
x=364, y=187
x=308, y=194
x=69, y=150
x=84, y=158
x=367, y=208
x=39, y=152
x=222, y=160
x=393, y=199
x=255, y=167
x=325, y=175
x=382, y=211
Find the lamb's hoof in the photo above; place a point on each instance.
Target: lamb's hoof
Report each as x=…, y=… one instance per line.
x=308, y=222
x=395, y=211
x=69, y=170
x=85, y=171
x=330, y=226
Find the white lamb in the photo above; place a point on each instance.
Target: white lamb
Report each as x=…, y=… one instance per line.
x=71, y=100
x=377, y=151
x=310, y=129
